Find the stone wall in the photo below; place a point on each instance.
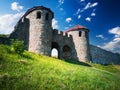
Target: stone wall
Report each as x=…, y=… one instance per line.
x=21, y=31
x=102, y=56
x=66, y=48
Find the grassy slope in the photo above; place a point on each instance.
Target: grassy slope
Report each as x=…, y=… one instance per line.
x=36, y=72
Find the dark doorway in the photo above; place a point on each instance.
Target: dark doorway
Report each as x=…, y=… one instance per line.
x=66, y=54
x=55, y=50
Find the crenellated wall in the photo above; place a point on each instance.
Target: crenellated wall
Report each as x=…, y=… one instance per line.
x=63, y=39
x=62, y=34
x=102, y=56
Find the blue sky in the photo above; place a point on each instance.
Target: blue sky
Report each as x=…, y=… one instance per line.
x=102, y=17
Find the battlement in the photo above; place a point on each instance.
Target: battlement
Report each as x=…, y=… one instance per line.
x=64, y=34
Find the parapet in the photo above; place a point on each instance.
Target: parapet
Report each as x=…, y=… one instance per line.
x=63, y=34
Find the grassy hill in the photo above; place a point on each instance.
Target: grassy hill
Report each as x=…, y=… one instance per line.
x=37, y=72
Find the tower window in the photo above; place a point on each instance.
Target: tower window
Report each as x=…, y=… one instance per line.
x=47, y=16
x=80, y=33
x=38, y=15
x=86, y=34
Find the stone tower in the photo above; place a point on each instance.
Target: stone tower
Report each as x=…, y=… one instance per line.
x=81, y=42
x=40, y=30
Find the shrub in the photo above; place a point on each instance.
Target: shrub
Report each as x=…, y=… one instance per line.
x=17, y=46
x=4, y=49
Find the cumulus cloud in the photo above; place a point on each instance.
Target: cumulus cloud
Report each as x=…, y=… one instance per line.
x=68, y=19
x=61, y=2
x=82, y=0
x=88, y=19
x=90, y=5
x=115, y=31
x=8, y=21
x=79, y=16
x=114, y=44
x=94, y=4
x=100, y=36
x=86, y=7
x=55, y=24
x=16, y=6
x=78, y=11
x=93, y=14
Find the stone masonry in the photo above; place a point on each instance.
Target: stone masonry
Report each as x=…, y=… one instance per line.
x=35, y=29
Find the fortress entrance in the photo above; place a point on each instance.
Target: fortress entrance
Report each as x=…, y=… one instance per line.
x=66, y=53
x=55, y=50
x=54, y=53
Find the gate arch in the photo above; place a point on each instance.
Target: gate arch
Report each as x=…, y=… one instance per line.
x=56, y=46
x=66, y=52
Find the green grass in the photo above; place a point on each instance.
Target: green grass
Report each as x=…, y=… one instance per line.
x=37, y=72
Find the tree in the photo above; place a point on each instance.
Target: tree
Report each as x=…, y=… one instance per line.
x=17, y=46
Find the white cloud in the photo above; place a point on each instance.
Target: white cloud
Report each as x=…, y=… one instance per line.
x=16, y=6
x=61, y=2
x=100, y=36
x=115, y=31
x=93, y=14
x=78, y=11
x=68, y=19
x=114, y=44
x=88, y=19
x=79, y=16
x=90, y=5
x=8, y=21
x=94, y=4
x=55, y=24
x=82, y=0
x=87, y=6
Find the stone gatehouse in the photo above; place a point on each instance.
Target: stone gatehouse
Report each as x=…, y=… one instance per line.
x=35, y=29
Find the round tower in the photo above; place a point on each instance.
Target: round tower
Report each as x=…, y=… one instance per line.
x=40, y=29
x=81, y=42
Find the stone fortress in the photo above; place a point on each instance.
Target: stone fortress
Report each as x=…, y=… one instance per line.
x=35, y=29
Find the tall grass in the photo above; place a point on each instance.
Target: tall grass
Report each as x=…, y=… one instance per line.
x=31, y=71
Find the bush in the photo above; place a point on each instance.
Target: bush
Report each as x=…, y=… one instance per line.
x=4, y=49
x=17, y=46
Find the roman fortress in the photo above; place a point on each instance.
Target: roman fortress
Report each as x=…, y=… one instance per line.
x=35, y=29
